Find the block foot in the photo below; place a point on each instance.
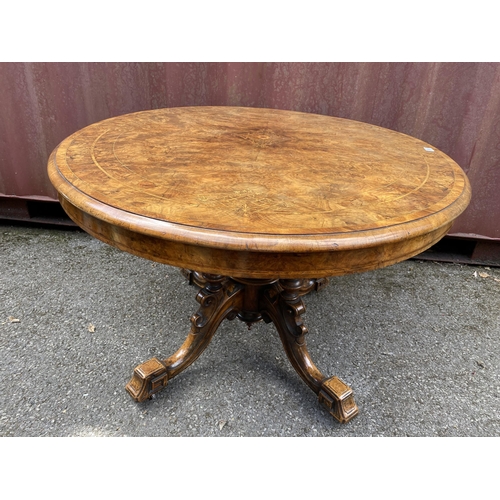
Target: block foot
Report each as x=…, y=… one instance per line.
x=337, y=397
x=148, y=378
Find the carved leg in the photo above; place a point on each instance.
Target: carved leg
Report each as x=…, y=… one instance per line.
x=220, y=298
x=282, y=305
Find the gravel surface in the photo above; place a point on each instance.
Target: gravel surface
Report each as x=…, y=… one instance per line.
x=419, y=343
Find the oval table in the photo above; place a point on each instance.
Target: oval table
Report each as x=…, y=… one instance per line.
x=257, y=207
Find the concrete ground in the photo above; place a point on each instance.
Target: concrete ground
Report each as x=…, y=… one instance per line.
x=419, y=343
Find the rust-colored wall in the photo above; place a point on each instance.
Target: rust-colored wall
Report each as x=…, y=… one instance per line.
x=454, y=106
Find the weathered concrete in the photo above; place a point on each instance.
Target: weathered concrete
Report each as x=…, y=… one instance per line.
x=419, y=343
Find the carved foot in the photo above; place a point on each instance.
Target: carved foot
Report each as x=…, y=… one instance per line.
x=148, y=378
x=338, y=399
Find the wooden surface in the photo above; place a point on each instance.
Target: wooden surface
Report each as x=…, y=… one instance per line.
x=260, y=193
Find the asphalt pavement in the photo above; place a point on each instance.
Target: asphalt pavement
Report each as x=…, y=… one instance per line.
x=418, y=342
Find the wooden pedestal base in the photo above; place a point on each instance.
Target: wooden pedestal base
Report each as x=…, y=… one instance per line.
x=277, y=301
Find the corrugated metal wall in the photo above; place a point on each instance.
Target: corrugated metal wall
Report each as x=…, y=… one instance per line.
x=454, y=106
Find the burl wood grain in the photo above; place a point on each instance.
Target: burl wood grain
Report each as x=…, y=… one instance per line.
x=260, y=193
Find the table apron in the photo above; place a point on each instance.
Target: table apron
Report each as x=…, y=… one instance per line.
x=253, y=264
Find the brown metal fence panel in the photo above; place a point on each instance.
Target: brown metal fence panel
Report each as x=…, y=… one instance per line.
x=454, y=106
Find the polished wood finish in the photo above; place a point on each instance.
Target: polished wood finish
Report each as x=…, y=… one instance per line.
x=257, y=193
x=257, y=206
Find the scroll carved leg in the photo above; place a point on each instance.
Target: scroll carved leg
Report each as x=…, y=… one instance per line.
x=219, y=299
x=282, y=304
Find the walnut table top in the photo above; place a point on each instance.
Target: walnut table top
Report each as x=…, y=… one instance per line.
x=298, y=194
